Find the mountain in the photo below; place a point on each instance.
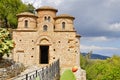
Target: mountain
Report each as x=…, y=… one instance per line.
x=96, y=56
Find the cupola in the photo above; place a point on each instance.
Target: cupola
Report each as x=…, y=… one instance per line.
x=64, y=22
x=46, y=13
x=27, y=20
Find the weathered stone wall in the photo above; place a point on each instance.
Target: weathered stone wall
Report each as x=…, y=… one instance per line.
x=11, y=71
x=62, y=43
x=25, y=48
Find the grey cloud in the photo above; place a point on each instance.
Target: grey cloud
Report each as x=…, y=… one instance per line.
x=93, y=17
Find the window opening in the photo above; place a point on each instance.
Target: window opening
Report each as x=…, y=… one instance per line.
x=54, y=27
x=63, y=25
x=26, y=23
x=45, y=18
x=45, y=28
x=49, y=18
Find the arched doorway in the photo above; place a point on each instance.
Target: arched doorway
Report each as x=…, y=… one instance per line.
x=44, y=49
x=44, y=54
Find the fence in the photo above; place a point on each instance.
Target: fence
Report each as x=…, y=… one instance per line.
x=50, y=72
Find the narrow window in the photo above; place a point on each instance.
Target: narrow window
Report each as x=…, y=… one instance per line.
x=45, y=28
x=26, y=23
x=49, y=19
x=54, y=26
x=63, y=25
x=45, y=18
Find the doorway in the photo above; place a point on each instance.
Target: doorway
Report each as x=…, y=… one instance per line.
x=44, y=55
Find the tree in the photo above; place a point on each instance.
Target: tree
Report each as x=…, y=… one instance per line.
x=83, y=61
x=86, y=60
x=6, y=43
x=104, y=69
x=9, y=9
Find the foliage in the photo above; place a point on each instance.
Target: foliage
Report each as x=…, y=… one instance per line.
x=83, y=62
x=37, y=78
x=108, y=69
x=9, y=9
x=68, y=75
x=6, y=44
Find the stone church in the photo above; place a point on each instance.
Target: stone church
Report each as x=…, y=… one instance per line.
x=43, y=37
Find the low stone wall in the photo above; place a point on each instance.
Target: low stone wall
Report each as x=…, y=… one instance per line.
x=11, y=71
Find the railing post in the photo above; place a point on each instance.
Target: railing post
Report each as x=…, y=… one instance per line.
x=26, y=76
x=36, y=73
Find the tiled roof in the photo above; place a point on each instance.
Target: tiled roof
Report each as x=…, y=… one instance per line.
x=64, y=16
x=26, y=14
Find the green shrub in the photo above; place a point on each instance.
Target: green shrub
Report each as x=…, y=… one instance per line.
x=67, y=75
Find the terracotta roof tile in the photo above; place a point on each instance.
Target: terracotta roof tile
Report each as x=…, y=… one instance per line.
x=64, y=16
x=26, y=14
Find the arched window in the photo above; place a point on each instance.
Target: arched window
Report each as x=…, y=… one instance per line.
x=45, y=28
x=49, y=18
x=63, y=25
x=26, y=23
x=45, y=18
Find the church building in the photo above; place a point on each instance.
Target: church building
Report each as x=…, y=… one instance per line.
x=44, y=37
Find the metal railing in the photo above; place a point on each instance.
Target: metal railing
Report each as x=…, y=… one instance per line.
x=50, y=72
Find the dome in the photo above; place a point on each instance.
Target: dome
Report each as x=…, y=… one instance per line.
x=47, y=8
x=64, y=16
x=26, y=14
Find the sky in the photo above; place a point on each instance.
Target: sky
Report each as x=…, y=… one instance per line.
x=97, y=21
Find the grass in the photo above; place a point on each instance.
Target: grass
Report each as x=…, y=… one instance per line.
x=37, y=78
x=68, y=75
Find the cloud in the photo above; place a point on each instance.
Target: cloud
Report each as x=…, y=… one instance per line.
x=114, y=27
x=39, y=3
x=112, y=2
x=36, y=3
x=93, y=47
x=108, y=51
x=56, y=2
x=93, y=17
x=98, y=39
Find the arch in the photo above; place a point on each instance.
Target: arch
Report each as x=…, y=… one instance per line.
x=44, y=40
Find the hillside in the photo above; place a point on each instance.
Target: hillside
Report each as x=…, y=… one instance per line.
x=97, y=56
